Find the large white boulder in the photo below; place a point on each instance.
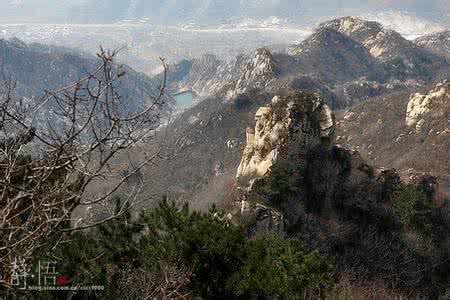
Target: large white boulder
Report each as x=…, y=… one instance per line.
x=285, y=120
x=419, y=105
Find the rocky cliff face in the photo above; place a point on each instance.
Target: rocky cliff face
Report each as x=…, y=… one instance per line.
x=209, y=75
x=420, y=105
x=290, y=164
x=276, y=124
x=256, y=73
x=288, y=127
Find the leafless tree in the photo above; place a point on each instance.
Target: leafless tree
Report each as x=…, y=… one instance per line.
x=62, y=152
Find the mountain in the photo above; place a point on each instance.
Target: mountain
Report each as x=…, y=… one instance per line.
x=295, y=182
x=347, y=59
x=401, y=57
x=210, y=134
x=271, y=160
x=409, y=132
x=303, y=173
x=209, y=75
x=381, y=43
x=438, y=43
x=38, y=68
x=315, y=66
x=335, y=57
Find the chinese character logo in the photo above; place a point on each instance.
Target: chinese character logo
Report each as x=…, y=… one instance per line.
x=19, y=274
x=47, y=273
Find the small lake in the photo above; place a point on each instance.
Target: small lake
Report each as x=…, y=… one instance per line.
x=184, y=99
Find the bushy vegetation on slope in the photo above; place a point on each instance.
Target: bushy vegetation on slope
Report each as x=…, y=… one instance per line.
x=179, y=253
x=377, y=228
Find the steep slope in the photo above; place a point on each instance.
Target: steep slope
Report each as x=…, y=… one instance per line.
x=345, y=61
x=294, y=181
x=317, y=68
x=209, y=75
x=438, y=43
x=403, y=59
x=409, y=132
x=381, y=43
x=334, y=57
x=205, y=147
x=202, y=75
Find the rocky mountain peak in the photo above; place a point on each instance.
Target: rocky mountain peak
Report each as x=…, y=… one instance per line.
x=402, y=58
x=352, y=26
x=208, y=75
x=381, y=42
x=256, y=72
x=261, y=64
x=336, y=57
x=326, y=37
x=289, y=124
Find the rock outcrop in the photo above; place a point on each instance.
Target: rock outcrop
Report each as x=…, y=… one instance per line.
x=409, y=132
x=420, y=105
x=208, y=75
x=296, y=117
x=256, y=73
x=262, y=219
x=289, y=126
x=291, y=167
x=201, y=77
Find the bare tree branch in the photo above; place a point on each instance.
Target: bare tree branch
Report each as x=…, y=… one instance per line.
x=64, y=150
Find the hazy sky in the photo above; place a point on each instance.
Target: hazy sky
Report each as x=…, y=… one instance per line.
x=204, y=10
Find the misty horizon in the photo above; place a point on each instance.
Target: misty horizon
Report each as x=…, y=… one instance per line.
x=209, y=11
